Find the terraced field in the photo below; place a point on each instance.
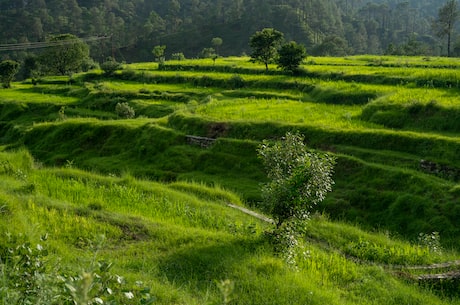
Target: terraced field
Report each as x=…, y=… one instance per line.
x=393, y=124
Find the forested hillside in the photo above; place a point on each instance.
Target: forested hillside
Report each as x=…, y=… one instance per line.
x=132, y=28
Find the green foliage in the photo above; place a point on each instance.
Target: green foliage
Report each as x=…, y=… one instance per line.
x=66, y=54
x=110, y=65
x=331, y=46
x=8, y=69
x=124, y=110
x=264, y=45
x=183, y=243
x=216, y=43
x=159, y=53
x=444, y=25
x=299, y=178
x=208, y=53
x=29, y=276
x=178, y=56
x=290, y=56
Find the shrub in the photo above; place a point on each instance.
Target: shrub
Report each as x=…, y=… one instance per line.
x=110, y=66
x=27, y=277
x=236, y=82
x=178, y=56
x=124, y=110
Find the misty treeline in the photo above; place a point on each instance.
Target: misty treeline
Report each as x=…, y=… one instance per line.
x=132, y=28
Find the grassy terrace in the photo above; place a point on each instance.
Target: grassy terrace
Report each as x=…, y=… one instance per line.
x=71, y=167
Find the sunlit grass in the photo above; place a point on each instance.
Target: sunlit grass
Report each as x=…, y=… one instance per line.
x=441, y=97
x=137, y=87
x=181, y=240
x=282, y=110
x=25, y=93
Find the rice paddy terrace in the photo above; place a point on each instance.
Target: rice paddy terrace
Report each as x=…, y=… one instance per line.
x=392, y=122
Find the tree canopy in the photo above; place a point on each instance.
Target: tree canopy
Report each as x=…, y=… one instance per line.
x=290, y=56
x=127, y=30
x=66, y=55
x=299, y=178
x=265, y=45
x=8, y=69
x=443, y=26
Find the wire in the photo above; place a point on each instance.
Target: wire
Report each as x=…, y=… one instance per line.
x=46, y=44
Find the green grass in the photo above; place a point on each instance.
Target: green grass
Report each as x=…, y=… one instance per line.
x=181, y=240
x=281, y=110
x=162, y=203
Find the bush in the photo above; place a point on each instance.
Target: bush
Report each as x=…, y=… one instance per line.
x=110, y=66
x=27, y=277
x=124, y=110
x=178, y=56
x=236, y=82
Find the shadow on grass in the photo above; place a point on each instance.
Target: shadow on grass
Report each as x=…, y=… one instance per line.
x=199, y=268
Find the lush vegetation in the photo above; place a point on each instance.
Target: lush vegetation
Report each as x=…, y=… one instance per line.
x=129, y=30
x=115, y=152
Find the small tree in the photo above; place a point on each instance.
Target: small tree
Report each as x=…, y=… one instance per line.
x=264, y=45
x=290, y=56
x=8, y=69
x=299, y=178
x=209, y=53
x=66, y=54
x=216, y=43
x=159, y=53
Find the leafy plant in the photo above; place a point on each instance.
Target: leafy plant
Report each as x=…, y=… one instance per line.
x=432, y=241
x=27, y=276
x=110, y=66
x=291, y=56
x=8, y=69
x=300, y=178
x=124, y=110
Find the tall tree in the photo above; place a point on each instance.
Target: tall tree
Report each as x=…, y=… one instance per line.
x=264, y=45
x=66, y=54
x=443, y=26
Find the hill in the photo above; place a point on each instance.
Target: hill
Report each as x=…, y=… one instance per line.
x=330, y=27
x=72, y=167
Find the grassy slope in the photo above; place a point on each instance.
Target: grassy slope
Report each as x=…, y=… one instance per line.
x=379, y=181
x=181, y=240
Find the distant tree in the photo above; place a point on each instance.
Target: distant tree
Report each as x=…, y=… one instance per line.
x=331, y=46
x=413, y=47
x=443, y=26
x=290, y=56
x=216, y=43
x=66, y=54
x=30, y=67
x=178, y=56
x=8, y=69
x=264, y=45
x=159, y=53
x=209, y=53
x=110, y=66
x=299, y=178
